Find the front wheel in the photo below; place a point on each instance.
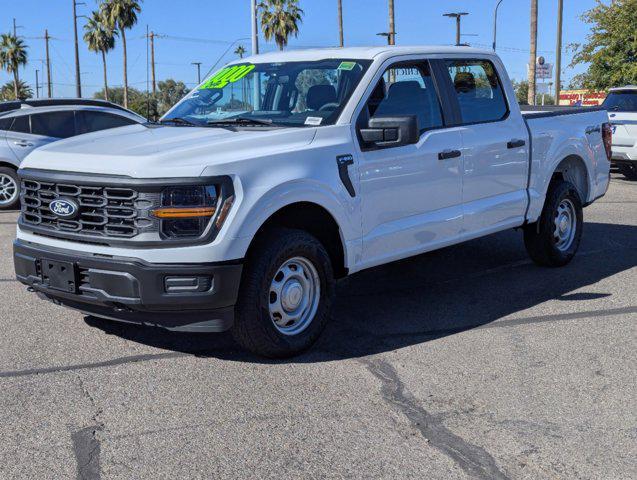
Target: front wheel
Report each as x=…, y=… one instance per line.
x=629, y=171
x=286, y=293
x=9, y=189
x=554, y=239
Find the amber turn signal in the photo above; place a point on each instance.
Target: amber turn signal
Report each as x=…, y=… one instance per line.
x=184, y=212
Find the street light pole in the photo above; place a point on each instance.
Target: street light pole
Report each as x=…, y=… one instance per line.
x=392, y=24
x=457, y=16
x=37, y=84
x=495, y=22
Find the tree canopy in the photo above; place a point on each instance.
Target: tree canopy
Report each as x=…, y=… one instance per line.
x=280, y=19
x=610, y=49
x=7, y=91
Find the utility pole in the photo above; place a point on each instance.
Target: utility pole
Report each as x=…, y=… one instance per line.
x=255, y=31
x=198, y=64
x=391, y=39
x=37, y=84
x=558, y=52
x=458, y=16
x=48, y=63
x=152, y=62
x=495, y=22
x=15, y=29
x=340, y=24
x=78, y=81
x=533, y=56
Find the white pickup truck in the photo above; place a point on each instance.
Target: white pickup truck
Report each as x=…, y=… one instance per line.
x=283, y=172
x=621, y=104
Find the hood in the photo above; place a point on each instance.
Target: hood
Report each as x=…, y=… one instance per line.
x=163, y=151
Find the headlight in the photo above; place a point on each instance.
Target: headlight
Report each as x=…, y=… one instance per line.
x=186, y=211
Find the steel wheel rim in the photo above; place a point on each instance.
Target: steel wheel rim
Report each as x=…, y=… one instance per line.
x=565, y=225
x=294, y=295
x=8, y=189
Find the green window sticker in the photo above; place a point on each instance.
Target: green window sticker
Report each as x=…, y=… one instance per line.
x=347, y=66
x=227, y=75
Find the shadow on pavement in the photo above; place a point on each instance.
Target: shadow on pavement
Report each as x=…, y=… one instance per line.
x=431, y=296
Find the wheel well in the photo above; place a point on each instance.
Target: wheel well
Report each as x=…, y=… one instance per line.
x=573, y=169
x=8, y=165
x=315, y=220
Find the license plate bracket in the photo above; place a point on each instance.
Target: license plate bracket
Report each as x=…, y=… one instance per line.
x=59, y=275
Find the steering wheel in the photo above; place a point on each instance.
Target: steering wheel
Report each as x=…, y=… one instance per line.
x=329, y=106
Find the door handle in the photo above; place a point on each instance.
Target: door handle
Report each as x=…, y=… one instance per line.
x=447, y=154
x=515, y=143
x=23, y=143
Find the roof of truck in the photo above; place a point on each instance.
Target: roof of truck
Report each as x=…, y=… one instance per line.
x=620, y=89
x=362, y=53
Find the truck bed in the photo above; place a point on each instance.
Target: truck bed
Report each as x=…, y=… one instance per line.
x=538, y=111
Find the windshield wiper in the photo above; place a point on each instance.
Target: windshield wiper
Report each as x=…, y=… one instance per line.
x=179, y=121
x=240, y=121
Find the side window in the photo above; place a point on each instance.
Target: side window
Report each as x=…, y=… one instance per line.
x=91, y=121
x=53, y=124
x=21, y=124
x=407, y=89
x=478, y=89
x=5, y=123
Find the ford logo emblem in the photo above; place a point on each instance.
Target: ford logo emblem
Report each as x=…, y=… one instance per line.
x=64, y=208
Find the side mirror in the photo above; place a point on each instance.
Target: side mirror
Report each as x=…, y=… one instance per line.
x=391, y=131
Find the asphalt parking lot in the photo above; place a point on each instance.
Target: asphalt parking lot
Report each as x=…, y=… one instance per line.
x=470, y=362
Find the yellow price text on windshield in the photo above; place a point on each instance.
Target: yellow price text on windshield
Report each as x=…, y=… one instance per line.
x=227, y=75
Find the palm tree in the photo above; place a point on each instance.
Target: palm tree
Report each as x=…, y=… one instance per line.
x=280, y=19
x=122, y=15
x=100, y=37
x=13, y=54
x=7, y=91
x=533, y=56
x=240, y=50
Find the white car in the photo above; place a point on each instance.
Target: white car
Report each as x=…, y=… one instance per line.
x=621, y=104
x=338, y=160
x=29, y=124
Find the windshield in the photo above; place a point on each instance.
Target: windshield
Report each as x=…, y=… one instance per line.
x=285, y=94
x=625, y=101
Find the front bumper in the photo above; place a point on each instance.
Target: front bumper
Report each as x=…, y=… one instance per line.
x=187, y=297
x=624, y=155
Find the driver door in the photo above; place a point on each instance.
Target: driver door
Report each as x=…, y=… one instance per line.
x=411, y=195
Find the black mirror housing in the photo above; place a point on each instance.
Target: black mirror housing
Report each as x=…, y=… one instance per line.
x=391, y=131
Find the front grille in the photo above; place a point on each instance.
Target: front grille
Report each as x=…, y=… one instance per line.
x=104, y=211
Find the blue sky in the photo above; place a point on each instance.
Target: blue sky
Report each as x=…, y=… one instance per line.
x=201, y=30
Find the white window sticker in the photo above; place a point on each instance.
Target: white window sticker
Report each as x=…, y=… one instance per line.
x=315, y=121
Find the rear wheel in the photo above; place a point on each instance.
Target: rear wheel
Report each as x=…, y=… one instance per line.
x=554, y=239
x=9, y=189
x=286, y=293
x=629, y=171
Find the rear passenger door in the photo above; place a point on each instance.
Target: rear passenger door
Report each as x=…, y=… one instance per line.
x=495, y=153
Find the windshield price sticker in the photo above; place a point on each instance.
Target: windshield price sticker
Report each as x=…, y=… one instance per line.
x=226, y=76
x=347, y=66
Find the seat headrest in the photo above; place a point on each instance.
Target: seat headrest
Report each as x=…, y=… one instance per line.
x=464, y=82
x=404, y=90
x=320, y=95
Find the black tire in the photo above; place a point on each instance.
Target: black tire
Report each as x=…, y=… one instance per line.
x=629, y=171
x=253, y=328
x=539, y=237
x=11, y=173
